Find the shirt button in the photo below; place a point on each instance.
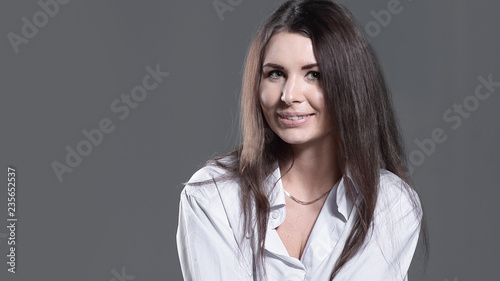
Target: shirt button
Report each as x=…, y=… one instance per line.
x=275, y=214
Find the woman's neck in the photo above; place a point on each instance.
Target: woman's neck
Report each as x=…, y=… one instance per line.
x=314, y=171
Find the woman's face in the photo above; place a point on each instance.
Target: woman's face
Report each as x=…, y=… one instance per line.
x=290, y=94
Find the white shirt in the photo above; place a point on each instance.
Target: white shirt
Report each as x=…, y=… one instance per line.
x=212, y=247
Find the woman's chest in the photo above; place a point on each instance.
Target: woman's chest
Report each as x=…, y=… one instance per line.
x=296, y=228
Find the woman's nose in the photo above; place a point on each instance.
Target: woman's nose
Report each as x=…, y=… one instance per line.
x=292, y=92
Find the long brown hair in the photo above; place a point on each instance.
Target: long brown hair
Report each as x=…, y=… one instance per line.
x=359, y=105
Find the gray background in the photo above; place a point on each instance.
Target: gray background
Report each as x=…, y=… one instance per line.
x=118, y=209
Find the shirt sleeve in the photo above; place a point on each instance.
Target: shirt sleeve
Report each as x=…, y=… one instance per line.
x=206, y=244
x=390, y=244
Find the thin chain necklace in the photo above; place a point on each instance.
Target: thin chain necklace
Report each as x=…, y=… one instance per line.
x=304, y=202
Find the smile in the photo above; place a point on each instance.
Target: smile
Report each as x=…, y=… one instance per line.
x=294, y=119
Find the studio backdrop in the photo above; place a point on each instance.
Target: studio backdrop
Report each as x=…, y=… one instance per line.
x=107, y=107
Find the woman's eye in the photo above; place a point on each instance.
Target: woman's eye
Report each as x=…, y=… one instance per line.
x=313, y=75
x=275, y=74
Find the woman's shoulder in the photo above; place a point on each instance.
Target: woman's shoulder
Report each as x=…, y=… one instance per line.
x=207, y=182
x=392, y=185
x=394, y=193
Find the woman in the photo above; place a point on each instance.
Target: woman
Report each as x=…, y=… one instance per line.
x=319, y=189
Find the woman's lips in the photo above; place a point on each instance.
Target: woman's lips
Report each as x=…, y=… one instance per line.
x=294, y=119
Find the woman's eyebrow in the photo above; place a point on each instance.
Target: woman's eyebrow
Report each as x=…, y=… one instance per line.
x=277, y=66
x=273, y=65
x=309, y=66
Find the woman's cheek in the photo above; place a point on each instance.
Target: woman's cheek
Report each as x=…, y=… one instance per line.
x=318, y=101
x=266, y=100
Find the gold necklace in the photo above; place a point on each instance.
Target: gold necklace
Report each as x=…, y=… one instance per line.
x=304, y=202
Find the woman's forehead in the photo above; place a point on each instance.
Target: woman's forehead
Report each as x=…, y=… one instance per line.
x=286, y=48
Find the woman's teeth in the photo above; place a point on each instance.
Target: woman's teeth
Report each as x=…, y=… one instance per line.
x=295, y=117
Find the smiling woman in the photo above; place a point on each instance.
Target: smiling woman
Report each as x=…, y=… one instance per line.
x=290, y=94
x=319, y=188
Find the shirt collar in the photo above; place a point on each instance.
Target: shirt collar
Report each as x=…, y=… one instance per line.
x=343, y=203
x=275, y=189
